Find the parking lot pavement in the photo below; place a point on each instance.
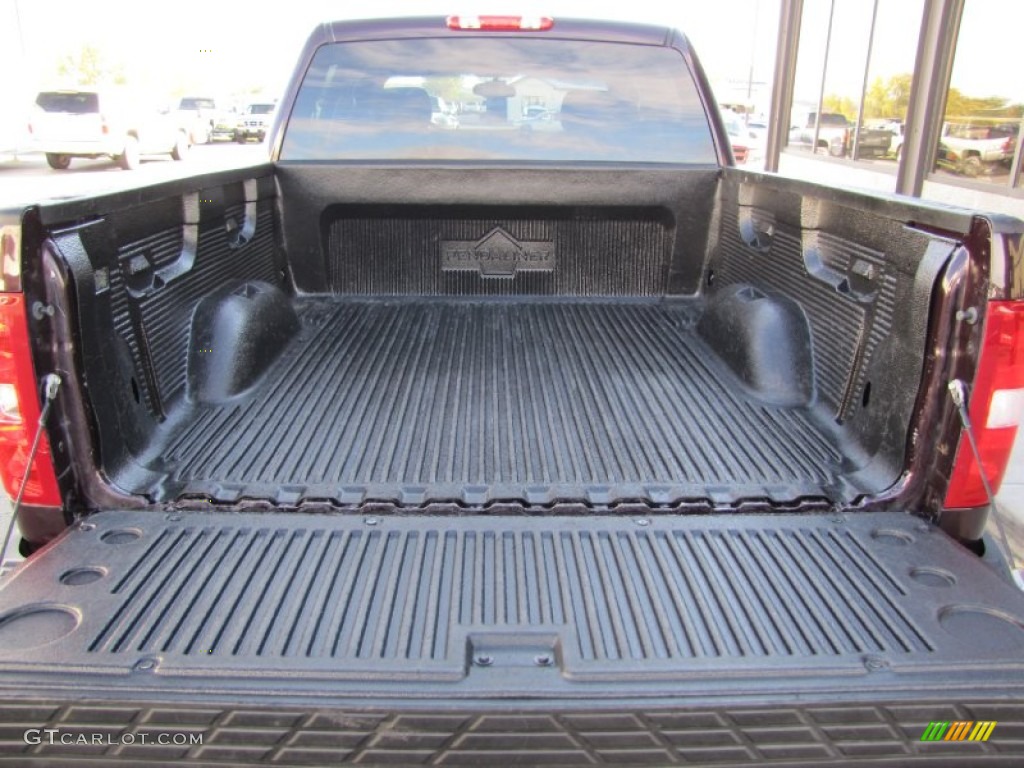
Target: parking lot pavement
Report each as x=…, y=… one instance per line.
x=10, y=556
x=27, y=179
x=1010, y=506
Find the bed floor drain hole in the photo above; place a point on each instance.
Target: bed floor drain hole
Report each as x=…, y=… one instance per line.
x=933, y=577
x=121, y=536
x=33, y=625
x=987, y=629
x=892, y=536
x=77, y=577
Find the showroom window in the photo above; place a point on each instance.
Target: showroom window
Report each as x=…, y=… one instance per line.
x=980, y=138
x=885, y=91
x=851, y=90
x=815, y=38
x=855, y=67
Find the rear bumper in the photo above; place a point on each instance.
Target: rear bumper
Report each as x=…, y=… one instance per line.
x=80, y=148
x=874, y=142
x=802, y=734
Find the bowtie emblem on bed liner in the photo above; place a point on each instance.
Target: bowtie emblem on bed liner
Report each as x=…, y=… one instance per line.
x=497, y=254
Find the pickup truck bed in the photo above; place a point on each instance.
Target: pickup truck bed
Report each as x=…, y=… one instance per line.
x=398, y=374
x=437, y=444
x=509, y=398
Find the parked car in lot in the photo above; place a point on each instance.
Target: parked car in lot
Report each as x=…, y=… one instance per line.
x=833, y=133
x=224, y=126
x=896, y=130
x=746, y=142
x=93, y=123
x=254, y=122
x=494, y=446
x=198, y=114
x=974, y=151
x=760, y=131
x=871, y=142
x=836, y=136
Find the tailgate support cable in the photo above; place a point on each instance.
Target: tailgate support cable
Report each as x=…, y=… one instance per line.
x=958, y=390
x=51, y=382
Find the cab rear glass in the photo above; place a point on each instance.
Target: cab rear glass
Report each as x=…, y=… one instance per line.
x=79, y=103
x=498, y=99
x=190, y=103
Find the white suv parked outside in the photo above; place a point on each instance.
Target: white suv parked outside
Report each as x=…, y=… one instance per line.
x=93, y=123
x=254, y=122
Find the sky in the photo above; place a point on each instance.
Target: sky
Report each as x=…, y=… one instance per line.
x=219, y=46
x=983, y=66
x=221, y=43
x=988, y=57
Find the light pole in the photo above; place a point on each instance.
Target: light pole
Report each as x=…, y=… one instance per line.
x=753, y=56
x=824, y=73
x=864, y=84
x=24, y=67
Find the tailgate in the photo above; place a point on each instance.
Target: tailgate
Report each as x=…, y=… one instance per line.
x=442, y=638
x=59, y=126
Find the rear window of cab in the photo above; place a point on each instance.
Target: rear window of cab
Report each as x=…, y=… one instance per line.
x=67, y=102
x=498, y=99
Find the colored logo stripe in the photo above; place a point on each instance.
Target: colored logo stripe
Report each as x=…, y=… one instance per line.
x=982, y=731
x=959, y=730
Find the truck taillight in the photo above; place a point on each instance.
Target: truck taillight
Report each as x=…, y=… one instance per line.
x=501, y=23
x=19, y=399
x=996, y=405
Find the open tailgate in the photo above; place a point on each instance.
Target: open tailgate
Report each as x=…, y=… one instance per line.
x=309, y=638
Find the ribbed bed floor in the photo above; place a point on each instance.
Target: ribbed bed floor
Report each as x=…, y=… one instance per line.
x=426, y=400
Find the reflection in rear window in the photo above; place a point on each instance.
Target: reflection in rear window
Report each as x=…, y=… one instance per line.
x=71, y=103
x=475, y=98
x=190, y=103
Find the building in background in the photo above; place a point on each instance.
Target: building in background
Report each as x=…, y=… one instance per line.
x=15, y=93
x=912, y=96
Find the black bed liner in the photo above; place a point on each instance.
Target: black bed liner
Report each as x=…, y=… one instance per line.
x=482, y=400
x=339, y=608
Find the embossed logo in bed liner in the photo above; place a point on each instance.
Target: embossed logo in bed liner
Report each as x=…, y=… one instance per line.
x=497, y=254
